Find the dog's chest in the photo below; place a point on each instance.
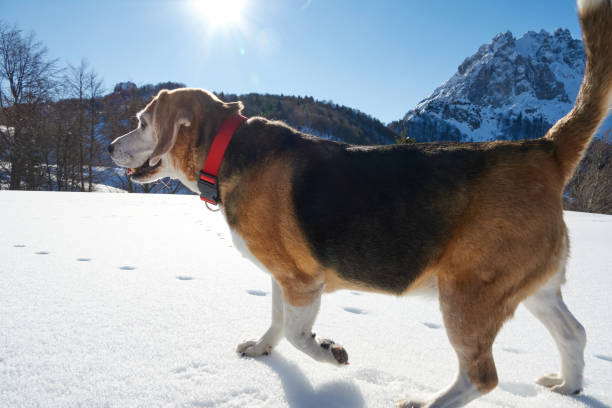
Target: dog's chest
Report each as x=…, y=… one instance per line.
x=242, y=247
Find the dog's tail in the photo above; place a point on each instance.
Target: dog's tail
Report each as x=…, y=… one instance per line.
x=572, y=133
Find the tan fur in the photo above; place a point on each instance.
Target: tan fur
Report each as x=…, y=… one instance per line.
x=183, y=156
x=498, y=255
x=272, y=233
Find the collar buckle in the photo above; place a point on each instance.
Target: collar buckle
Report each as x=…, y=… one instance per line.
x=209, y=189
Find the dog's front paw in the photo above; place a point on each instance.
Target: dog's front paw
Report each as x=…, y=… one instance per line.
x=550, y=380
x=338, y=352
x=253, y=348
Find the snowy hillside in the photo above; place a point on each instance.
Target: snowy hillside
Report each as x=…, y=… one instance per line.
x=509, y=89
x=130, y=300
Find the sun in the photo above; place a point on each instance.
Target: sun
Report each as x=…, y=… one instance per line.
x=220, y=13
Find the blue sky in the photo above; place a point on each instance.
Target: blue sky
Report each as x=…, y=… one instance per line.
x=380, y=57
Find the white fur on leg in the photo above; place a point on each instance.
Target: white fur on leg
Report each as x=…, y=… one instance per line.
x=274, y=334
x=587, y=5
x=458, y=394
x=298, y=330
x=569, y=335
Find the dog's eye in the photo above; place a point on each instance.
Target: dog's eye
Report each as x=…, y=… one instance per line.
x=143, y=125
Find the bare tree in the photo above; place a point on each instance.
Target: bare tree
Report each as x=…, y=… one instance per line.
x=62, y=122
x=27, y=80
x=76, y=82
x=590, y=189
x=94, y=92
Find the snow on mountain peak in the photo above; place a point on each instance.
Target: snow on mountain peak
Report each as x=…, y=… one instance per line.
x=509, y=89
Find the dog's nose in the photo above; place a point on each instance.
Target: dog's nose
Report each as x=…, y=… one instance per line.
x=111, y=147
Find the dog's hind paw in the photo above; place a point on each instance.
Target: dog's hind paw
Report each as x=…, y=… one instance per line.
x=409, y=403
x=253, y=348
x=566, y=389
x=556, y=384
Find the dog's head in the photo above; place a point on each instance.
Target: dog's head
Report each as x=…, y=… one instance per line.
x=173, y=135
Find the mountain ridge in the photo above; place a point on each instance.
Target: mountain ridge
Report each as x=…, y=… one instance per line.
x=509, y=89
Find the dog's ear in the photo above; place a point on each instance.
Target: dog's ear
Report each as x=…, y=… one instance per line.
x=168, y=119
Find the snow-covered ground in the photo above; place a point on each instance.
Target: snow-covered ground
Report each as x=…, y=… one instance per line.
x=129, y=300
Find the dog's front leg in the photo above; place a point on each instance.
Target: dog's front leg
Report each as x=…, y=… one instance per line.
x=298, y=322
x=270, y=339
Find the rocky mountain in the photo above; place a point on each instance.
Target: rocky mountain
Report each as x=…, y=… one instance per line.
x=509, y=89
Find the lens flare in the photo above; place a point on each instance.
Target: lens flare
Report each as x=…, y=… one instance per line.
x=219, y=14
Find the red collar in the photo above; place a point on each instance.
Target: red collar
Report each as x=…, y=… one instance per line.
x=207, y=184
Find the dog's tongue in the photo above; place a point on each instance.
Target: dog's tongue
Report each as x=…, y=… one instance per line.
x=128, y=171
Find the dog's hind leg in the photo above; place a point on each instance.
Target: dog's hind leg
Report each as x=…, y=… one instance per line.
x=472, y=318
x=298, y=330
x=569, y=335
x=273, y=336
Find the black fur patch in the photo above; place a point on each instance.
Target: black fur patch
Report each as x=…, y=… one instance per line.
x=379, y=215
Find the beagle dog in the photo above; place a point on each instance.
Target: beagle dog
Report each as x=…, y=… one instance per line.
x=479, y=223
